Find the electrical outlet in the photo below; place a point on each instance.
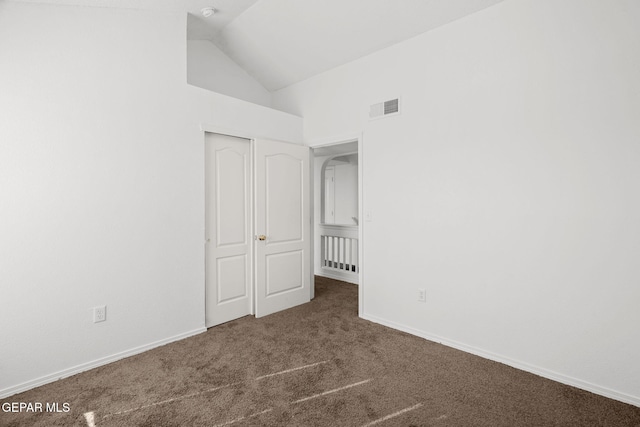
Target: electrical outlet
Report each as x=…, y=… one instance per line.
x=99, y=314
x=422, y=295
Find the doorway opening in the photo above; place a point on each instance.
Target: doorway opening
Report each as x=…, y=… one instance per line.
x=337, y=211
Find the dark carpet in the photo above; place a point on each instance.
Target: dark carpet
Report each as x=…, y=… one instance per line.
x=314, y=365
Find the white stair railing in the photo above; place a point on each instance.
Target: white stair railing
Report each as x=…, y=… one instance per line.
x=339, y=252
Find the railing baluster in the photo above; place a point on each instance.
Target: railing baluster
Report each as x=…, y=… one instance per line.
x=326, y=251
x=355, y=251
x=339, y=250
x=347, y=254
x=331, y=238
x=323, y=250
x=334, y=239
x=351, y=260
x=344, y=253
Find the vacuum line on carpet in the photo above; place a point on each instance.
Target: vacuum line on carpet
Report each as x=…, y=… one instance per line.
x=395, y=414
x=162, y=402
x=291, y=370
x=294, y=402
x=304, y=399
x=92, y=415
x=244, y=418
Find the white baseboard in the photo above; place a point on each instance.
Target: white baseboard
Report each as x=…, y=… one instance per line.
x=542, y=372
x=345, y=277
x=28, y=385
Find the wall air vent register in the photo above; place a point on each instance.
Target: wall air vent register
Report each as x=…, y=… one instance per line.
x=384, y=109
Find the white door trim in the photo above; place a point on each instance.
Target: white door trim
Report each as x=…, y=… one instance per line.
x=227, y=131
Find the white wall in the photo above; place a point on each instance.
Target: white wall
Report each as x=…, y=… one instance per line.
x=514, y=164
x=102, y=185
x=209, y=68
x=346, y=193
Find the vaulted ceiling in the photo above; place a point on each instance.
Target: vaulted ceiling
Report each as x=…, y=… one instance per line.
x=282, y=42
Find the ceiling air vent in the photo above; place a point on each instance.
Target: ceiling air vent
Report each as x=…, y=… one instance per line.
x=383, y=109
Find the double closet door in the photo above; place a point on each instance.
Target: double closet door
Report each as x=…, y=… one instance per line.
x=257, y=219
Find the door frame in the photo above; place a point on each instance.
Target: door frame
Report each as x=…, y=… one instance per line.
x=327, y=142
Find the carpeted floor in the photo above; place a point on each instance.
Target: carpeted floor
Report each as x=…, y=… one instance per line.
x=314, y=365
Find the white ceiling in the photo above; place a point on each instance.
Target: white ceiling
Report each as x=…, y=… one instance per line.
x=282, y=42
x=199, y=28
x=337, y=149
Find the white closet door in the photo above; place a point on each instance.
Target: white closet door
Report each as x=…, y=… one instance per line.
x=282, y=226
x=228, y=228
